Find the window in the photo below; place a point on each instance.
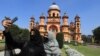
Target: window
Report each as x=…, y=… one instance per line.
x=53, y=14
x=77, y=24
x=57, y=14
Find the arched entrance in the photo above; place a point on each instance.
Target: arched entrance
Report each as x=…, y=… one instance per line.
x=53, y=28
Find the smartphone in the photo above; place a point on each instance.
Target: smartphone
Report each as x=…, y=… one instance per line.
x=14, y=20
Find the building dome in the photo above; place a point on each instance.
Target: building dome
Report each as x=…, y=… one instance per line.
x=54, y=6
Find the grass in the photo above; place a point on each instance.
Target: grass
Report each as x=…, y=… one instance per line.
x=63, y=52
x=2, y=46
x=87, y=50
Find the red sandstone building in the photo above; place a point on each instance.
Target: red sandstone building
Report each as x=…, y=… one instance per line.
x=53, y=22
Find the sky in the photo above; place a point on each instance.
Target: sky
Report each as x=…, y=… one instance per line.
x=88, y=10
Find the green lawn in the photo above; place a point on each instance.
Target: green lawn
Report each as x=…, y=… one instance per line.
x=2, y=46
x=63, y=52
x=87, y=50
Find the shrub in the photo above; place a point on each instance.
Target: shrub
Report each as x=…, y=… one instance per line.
x=60, y=38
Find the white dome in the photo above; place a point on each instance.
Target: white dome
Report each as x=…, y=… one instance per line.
x=54, y=6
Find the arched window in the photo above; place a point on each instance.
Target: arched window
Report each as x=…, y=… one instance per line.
x=53, y=14
x=53, y=28
x=77, y=24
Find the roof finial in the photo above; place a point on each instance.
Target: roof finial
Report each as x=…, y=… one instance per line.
x=32, y=18
x=77, y=16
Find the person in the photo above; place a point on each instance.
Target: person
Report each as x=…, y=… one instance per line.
x=45, y=39
x=8, y=39
x=34, y=47
x=51, y=46
x=10, y=44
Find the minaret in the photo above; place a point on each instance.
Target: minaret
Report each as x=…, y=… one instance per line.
x=53, y=18
x=32, y=23
x=37, y=25
x=77, y=29
x=42, y=19
x=65, y=19
x=72, y=30
x=72, y=25
x=65, y=27
x=42, y=25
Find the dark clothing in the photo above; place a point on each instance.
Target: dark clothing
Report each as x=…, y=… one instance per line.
x=8, y=40
x=34, y=47
x=45, y=40
x=10, y=44
x=33, y=50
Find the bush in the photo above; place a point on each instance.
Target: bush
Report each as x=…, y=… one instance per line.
x=60, y=38
x=19, y=34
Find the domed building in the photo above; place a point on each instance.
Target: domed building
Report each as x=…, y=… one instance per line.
x=53, y=22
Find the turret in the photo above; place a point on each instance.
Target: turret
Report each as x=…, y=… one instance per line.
x=65, y=19
x=42, y=19
x=53, y=18
x=37, y=25
x=72, y=25
x=77, y=24
x=32, y=23
x=65, y=27
x=77, y=29
x=42, y=24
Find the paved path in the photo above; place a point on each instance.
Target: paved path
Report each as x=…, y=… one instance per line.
x=16, y=51
x=2, y=53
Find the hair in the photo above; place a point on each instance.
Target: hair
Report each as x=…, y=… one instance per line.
x=36, y=38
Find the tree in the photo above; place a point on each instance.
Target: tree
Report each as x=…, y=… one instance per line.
x=84, y=38
x=19, y=34
x=87, y=38
x=60, y=38
x=96, y=33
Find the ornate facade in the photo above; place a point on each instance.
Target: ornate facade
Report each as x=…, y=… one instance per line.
x=57, y=23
